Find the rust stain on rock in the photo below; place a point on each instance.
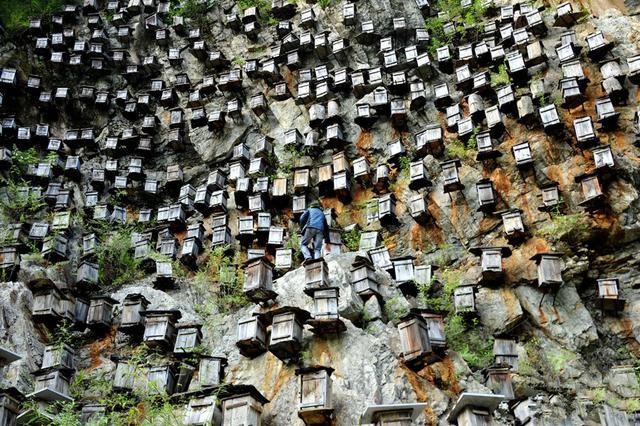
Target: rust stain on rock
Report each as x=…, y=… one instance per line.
x=99, y=346
x=363, y=143
x=501, y=182
x=422, y=394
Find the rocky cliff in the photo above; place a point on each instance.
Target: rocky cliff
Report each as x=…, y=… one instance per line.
x=129, y=147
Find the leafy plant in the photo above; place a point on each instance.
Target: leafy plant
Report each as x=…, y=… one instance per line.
x=196, y=10
x=14, y=15
x=457, y=14
x=264, y=10
x=558, y=360
x=17, y=205
x=116, y=261
x=351, y=239
x=475, y=347
x=395, y=308
x=222, y=277
x=571, y=228
x=501, y=78
x=324, y=3
x=458, y=149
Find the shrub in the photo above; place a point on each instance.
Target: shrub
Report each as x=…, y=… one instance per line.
x=220, y=269
x=456, y=13
x=324, y=3
x=14, y=15
x=351, y=239
x=571, y=228
x=195, y=10
x=473, y=345
x=395, y=308
x=264, y=9
x=501, y=78
x=116, y=261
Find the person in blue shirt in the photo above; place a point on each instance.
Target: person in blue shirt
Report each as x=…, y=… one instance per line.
x=314, y=229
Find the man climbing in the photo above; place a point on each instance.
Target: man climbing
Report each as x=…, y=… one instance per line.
x=314, y=229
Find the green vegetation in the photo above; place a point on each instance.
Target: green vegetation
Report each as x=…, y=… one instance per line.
x=351, y=239
x=405, y=165
x=473, y=344
x=460, y=16
x=469, y=340
x=222, y=279
x=18, y=205
x=264, y=10
x=571, y=228
x=14, y=15
x=145, y=406
x=196, y=10
x=116, y=261
x=396, y=308
x=324, y=3
x=632, y=405
x=458, y=149
x=239, y=61
x=558, y=360
x=293, y=243
x=501, y=78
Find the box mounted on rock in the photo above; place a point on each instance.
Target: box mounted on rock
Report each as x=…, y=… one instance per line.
x=258, y=283
x=414, y=341
x=286, y=333
x=160, y=327
x=252, y=336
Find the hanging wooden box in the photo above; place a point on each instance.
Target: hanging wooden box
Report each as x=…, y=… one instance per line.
x=387, y=208
x=220, y=236
x=161, y=380
x=316, y=275
x=603, y=157
x=414, y=341
x=608, y=295
x=325, y=317
x=100, y=312
x=160, y=327
x=429, y=141
x=88, y=274
x=505, y=352
x=550, y=266
x=464, y=300
x=499, y=381
x=381, y=258
x=585, y=132
x=363, y=278
x=131, y=318
x=287, y=322
x=418, y=208
x=58, y=357
x=252, y=337
x=550, y=119
x=188, y=339
x=565, y=16
x=491, y=262
x=597, y=45
x=633, y=63
x=450, y=176
x=315, y=401
x=258, y=280
x=243, y=408
x=606, y=114
x=55, y=248
x=51, y=385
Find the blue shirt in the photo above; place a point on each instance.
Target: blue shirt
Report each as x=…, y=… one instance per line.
x=313, y=217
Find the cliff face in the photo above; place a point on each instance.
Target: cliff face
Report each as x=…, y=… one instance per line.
x=576, y=362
